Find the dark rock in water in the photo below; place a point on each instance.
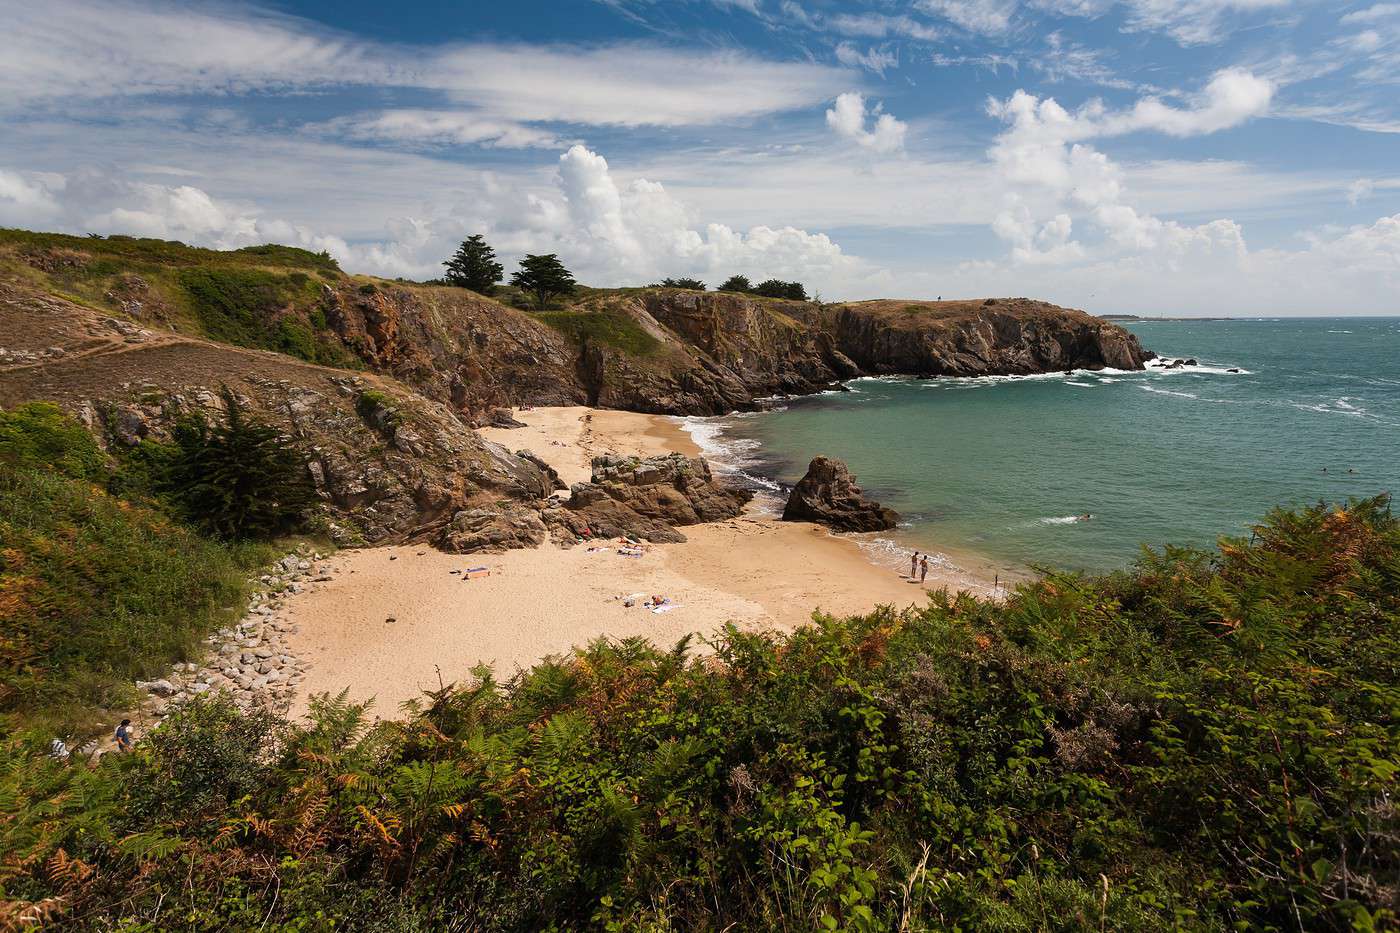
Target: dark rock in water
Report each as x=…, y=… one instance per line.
x=645, y=497
x=502, y=418
x=1189, y=362
x=1232, y=369
x=828, y=494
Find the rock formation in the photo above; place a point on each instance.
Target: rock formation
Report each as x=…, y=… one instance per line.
x=828, y=494
x=389, y=427
x=644, y=498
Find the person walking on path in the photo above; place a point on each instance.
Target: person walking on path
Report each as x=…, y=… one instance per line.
x=123, y=736
x=923, y=569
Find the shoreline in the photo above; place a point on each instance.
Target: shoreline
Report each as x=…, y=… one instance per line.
x=392, y=622
x=983, y=574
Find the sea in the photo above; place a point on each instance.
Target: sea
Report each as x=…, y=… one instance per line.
x=1007, y=475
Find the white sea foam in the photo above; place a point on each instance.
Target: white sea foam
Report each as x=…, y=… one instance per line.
x=1159, y=366
x=728, y=455
x=1168, y=392
x=1060, y=520
x=1082, y=385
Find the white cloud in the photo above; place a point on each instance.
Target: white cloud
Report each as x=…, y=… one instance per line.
x=437, y=128
x=1044, y=156
x=872, y=59
x=990, y=17
x=26, y=200
x=847, y=119
x=608, y=232
x=1373, y=13
x=1360, y=190
x=53, y=52
x=870, y=25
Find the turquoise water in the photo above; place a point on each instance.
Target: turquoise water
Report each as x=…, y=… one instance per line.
x=1001, y=466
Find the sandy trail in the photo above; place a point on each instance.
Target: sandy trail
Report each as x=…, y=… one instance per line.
x=752, y=571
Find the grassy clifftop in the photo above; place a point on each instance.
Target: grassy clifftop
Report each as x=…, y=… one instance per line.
x=1207, y=742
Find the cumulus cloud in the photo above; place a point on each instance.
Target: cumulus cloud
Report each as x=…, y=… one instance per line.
x=847, y=118
x=607, y=231
x=53, y=52
x=1044, y=151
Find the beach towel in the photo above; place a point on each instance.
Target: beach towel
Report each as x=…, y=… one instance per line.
x=664, y=607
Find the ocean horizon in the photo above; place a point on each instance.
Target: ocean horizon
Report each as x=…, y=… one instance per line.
x=1080, y=470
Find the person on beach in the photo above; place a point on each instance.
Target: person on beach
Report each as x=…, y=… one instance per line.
x=914, y=565
x=923, y=568
x=123, y=736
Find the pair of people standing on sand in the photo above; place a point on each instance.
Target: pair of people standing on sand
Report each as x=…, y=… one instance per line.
x=918, y=566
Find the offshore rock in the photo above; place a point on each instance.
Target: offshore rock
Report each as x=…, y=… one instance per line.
x=828, y=494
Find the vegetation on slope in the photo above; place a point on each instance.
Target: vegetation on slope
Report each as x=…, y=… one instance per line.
x=606, y=326
x=265, y=297
x=1206, y=742
x=95, y=591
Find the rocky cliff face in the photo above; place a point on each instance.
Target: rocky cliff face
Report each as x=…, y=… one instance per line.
x=1015, y=336
x=389, y=424
x=389, y=463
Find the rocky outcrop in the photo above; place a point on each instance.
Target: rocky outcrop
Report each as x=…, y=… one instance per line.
x=645, y=498
x=1015, y=336
x=828, y=494
x=389, y=464
x=493, y=529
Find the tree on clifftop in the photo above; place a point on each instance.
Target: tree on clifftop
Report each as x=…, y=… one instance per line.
x=736, y=283
x=543, y=276
x=692, y=284
x=474, y=266
x=774, y=288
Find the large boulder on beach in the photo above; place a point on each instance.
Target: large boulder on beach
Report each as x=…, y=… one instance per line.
x=828, y=494
x=647, y=497
x=493, y=529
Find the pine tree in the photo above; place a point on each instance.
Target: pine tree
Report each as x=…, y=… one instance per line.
x=474, y=266
x=736, y=283
x=543, y=276
x=239, y=478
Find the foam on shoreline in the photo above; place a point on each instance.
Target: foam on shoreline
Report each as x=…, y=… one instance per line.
x=736, y=458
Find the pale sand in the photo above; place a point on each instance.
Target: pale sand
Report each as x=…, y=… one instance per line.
x=753, y=571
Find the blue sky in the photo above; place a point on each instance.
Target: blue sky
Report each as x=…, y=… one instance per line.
x=1146, y=156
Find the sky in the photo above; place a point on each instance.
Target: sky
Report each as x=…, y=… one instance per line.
x=1161, y=157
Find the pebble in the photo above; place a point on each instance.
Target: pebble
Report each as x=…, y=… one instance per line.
x=248, y=659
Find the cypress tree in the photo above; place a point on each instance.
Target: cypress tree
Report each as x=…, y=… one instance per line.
x=474, y=266
x=238, y=478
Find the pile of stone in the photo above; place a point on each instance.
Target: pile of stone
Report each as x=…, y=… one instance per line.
x=250, y=661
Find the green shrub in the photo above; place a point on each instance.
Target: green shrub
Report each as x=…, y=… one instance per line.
x=1209, y=741
x=295, y=339
x=612, y=328
x=39, y=435
x=238, y=479
x=95, y=593
x=234, y=305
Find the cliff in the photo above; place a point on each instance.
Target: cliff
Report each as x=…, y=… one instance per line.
x=383, y=381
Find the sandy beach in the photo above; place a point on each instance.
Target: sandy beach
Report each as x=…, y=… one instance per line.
x=395, y=621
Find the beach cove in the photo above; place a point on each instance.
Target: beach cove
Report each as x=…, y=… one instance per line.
x=753, y=571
